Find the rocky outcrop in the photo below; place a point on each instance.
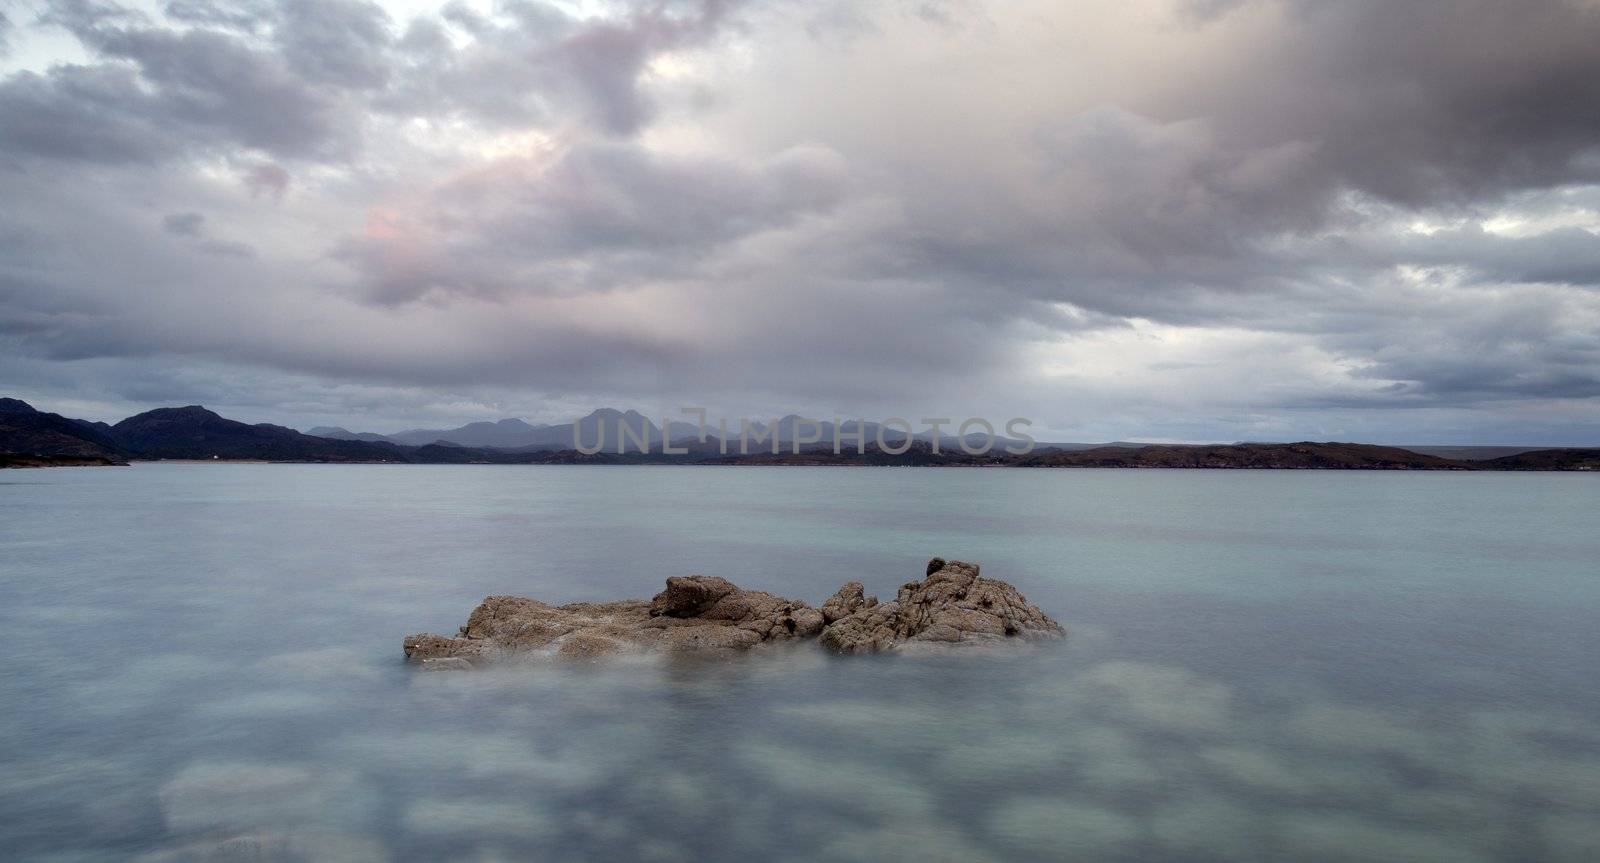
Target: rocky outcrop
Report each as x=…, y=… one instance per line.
x=707, y=599
x=694, y=614
x=704, y=614
x=953, y=605
x=846, y=601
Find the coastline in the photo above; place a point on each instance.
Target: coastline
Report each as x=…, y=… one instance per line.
x=19, y=461
x=1587, y=464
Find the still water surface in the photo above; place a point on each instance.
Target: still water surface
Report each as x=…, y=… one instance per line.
x=205, y=664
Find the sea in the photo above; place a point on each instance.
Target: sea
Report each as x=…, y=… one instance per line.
x=203, y=663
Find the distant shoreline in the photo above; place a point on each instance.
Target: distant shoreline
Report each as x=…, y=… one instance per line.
x=195, y=435
x=1297, y=456
x=230, y=461
x=20, y=460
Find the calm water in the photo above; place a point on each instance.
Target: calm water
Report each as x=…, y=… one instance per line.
x=204, y=664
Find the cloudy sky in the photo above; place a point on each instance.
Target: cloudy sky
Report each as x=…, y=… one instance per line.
x=1154, y=219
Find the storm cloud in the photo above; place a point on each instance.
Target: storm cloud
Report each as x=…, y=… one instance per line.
x=1220, y=220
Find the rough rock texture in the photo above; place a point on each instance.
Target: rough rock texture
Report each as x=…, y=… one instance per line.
x=846, y=601
x=693, y=614
x=716, y=600
x=953, y=605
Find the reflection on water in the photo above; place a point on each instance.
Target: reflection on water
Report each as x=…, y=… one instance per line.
x=212, y=673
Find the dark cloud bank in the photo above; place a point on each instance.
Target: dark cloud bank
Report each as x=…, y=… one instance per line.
x=1209, y=220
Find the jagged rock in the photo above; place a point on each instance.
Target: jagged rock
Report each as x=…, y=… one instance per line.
x=953, y=605
x=712, y=599
x=705, y=614
x=694, y=614
x=687, y=596
x=846, y=601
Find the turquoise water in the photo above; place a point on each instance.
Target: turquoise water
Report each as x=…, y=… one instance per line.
x=205, y=664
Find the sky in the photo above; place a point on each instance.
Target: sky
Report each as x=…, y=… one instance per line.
x=1180, y=220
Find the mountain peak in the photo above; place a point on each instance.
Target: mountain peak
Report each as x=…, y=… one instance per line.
x=193, y=417
x=187, y=412
x=15, y=406
x=195, y=432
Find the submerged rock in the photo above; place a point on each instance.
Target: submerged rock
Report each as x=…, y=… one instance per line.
x=953, y=606
x=445, y=663
x=428, y=647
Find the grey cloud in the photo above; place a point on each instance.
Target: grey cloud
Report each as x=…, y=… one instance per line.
x=1274, y=193
x=220, y=87
x=214, y=86
x=137, y=301
x=192, y=226
x=947, y=12
x=1206, y=11
x=843, y=21
x=1127, y=215
x=1425, y=104
x=246, y=15
x=1235, y=178
x=340, y=42
x=1562, y=256
x=524, y=69
x=227, y=249
x=1460, y=345
x=601, y=216
x=267, y=178
x=188, y=224
x=868, y=221
x=194, y=91
x=80, y=15
x=624, y=196
x=87, y=113
x=426, y=40
x=609, y=58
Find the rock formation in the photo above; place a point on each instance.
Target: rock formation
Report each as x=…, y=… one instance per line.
x=953, y=605
x=846, y=601
x=693, y=614
x=705, y=614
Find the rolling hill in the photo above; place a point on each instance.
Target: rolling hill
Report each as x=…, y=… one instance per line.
x=25, y=431
x=196, y=433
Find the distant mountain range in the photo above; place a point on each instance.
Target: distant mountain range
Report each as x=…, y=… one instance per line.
x=29, y=437
x=194, y=432
x=169, y=433
x=518, y=435
x=26, y=431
